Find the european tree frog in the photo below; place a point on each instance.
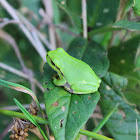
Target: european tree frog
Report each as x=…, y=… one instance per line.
x=75, y=75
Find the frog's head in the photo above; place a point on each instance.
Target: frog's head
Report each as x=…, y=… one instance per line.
x=54, y=58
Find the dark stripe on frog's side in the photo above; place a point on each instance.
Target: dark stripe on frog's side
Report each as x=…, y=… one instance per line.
x=56, y=67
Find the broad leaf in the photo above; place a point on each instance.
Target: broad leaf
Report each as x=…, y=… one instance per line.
x=126, y=63
x=66, y=112
x=122, y=124
x=129, y=25
x=101, y=13
x=74, y=109
x=81, y=108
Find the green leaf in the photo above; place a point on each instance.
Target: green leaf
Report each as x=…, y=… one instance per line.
x=129, y=25
x=21, y=89
x=29, y=116
x=66, y=110
x=122, y=123
x=124, y=61
x=18, y=88
x=91, y=53
x=136, y=7
x=81, y=108
x=127, y=64
x=101, y=13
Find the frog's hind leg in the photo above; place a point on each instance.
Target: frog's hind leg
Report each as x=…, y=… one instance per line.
x=68, y=88
x=83, y=88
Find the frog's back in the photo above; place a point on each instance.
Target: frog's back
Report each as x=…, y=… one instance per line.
x=76, y=70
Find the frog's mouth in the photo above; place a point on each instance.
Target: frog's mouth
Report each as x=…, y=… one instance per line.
x=55, y=67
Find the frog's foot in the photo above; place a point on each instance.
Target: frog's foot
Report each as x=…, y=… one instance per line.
x=59, y=81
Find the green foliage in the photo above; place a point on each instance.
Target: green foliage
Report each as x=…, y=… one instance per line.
x=30, y=117
x=126, y=24
x=112, y=50
x=125, y=64
x=101, y=12
x=66, y=110
x=124, y=118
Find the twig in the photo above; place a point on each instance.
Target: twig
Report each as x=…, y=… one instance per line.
x=121, y=10
x=7, y=21
x=49, y=16
x=65, y=30
x=84, y=16
x=137, y=130
x=62, y=28
x=26, y=106
x=21, y=74
x=40, y=49
x=136, y=19
x=32, y=28
x=118, y=17
x=12, y=42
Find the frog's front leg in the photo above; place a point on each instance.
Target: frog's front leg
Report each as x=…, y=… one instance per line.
x=59, y=80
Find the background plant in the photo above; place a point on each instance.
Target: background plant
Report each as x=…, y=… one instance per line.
x=28, y=29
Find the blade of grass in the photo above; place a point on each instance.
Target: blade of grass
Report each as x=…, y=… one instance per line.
x=21, y=89
x=94, y=135
x=30, y=117
x=104, y=120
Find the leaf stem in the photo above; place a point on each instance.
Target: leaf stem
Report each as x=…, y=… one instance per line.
x=94, y=135
x=104, y=120
x=22, y=116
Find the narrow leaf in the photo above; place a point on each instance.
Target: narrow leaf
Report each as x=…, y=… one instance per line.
x=94, y=135
x=21, y=89
x=18, y=88
x=105, y=119
x=29, y=116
